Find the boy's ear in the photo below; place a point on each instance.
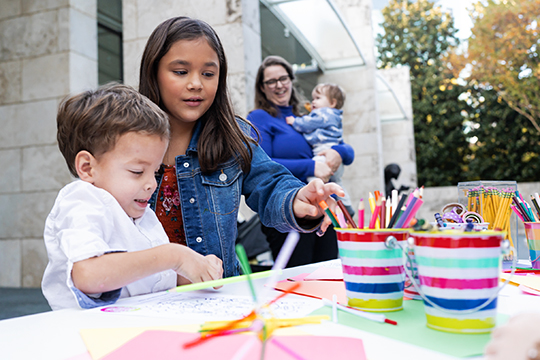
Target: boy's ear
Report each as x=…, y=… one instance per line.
x=333, y=103
x=84, y=164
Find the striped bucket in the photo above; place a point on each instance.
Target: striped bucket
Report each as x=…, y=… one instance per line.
x=532, y=232
x=459, y=274
x=374, y=275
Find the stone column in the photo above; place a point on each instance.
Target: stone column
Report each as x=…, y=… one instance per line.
x=361, y=125
x=48, y=49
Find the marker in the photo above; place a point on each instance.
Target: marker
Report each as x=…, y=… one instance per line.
x=329, y=212
x=374, y=317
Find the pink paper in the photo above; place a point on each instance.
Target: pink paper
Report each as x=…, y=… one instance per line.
x=168, y=345
x=326, y=273
x=300, y=277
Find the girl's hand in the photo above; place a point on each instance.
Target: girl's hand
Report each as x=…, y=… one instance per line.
x=333, y=159
x=323, y=171
x=306, y=202
x=515, y=339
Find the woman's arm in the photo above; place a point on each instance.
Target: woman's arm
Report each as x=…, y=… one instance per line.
x=279, y=142
x=346, y=152
x=115, y=270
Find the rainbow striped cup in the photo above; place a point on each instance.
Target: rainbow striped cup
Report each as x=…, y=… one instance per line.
x=373, y=274
x=532, y=232
x=459, y=278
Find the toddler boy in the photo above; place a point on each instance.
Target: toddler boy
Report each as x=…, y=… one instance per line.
x=102, y=240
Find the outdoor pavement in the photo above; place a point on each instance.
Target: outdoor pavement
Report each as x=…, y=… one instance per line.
x=15, y=302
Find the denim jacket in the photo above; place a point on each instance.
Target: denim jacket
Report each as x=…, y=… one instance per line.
x=210, y=202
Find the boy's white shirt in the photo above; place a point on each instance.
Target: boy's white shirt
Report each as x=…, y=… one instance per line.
x=87, y=221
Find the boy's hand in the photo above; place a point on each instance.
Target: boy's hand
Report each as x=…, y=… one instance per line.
x=289, y=120
x=195, y=267
x=306, y=202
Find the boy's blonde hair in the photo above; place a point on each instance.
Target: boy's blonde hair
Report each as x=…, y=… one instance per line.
x=332, y=92
x=93, y=120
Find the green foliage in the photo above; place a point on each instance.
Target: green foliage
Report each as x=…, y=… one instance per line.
x=422, y=36
x=508, y=145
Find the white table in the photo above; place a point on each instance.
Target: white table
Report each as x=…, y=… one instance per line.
x=55, y=335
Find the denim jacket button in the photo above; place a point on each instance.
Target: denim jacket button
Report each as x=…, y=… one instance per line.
x=186, y=164
x=191, y=201
x=222, y=177
x=198, y=239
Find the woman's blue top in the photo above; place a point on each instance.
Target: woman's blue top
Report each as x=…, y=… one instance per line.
x=288, y=147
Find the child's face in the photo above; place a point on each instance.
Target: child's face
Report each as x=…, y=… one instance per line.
x=321, y=100
x=188, y=78
x=127, y=172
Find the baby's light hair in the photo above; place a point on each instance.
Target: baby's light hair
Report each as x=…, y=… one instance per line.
x=332, y=92
x=94, y=119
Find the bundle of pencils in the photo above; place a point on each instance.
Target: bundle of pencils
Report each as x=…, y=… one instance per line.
x=494, y=206
x=391, y=212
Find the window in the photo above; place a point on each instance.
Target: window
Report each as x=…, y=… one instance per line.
x=110, y=56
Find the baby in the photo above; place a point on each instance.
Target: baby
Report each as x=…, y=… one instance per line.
x=322, y=127
x=102, y=239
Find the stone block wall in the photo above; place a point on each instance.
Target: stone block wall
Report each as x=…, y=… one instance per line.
x=48, y=49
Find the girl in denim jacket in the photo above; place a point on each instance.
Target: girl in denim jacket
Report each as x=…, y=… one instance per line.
x=212, y=159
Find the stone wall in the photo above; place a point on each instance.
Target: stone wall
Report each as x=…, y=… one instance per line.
x=48, y=49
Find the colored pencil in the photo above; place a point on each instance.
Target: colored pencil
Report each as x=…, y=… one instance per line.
x=341, y=218
x=383, y=212
x=388, y=211
x=375, y=214
x=361, y=214
x=346, y=213
x=329, y=212
x=397, y=211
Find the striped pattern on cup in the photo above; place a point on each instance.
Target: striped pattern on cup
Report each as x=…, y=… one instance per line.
x=458, y=272
x=532, y=232
x=374, y=275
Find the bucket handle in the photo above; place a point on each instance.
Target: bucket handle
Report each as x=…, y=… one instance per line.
x=391, y=243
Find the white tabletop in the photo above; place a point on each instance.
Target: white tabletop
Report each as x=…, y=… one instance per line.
x=55, y=335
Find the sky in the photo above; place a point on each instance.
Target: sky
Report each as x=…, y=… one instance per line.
x=458, y=7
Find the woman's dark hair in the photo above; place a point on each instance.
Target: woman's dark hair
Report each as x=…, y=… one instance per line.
x=261, y=102
x=221, y=137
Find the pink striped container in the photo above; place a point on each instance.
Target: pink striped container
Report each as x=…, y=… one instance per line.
x=459, y=278
x=374, y=275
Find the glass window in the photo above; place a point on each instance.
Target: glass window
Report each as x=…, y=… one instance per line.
x=110, y=56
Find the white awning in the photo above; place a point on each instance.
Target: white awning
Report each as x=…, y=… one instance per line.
x=320, y=29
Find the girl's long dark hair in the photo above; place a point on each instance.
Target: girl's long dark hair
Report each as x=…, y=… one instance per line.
x=261, y=102
x=221, y=137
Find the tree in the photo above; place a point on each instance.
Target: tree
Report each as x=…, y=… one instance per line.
x=422, y=36
x=505, y=143
x=504, y=51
